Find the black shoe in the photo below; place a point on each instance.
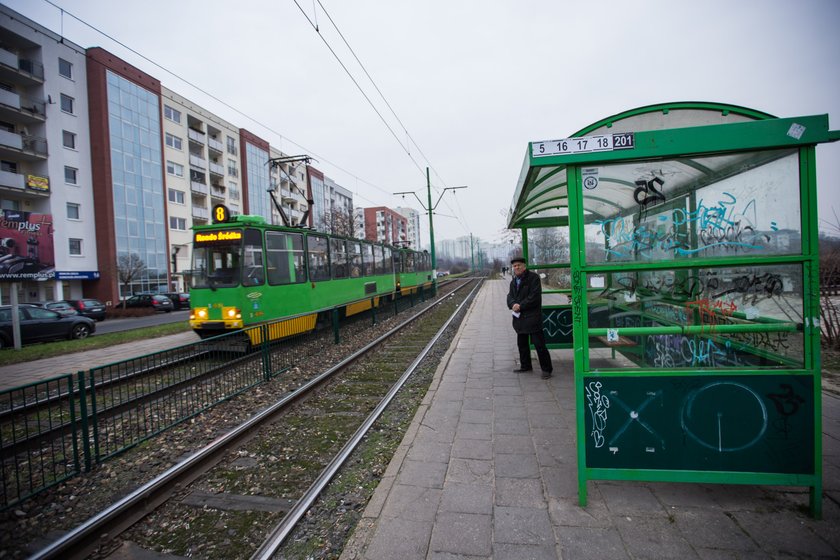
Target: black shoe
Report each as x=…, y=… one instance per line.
x=546, y=374
x=523, y=370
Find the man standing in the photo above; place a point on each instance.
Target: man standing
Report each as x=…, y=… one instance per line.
x=525, y=301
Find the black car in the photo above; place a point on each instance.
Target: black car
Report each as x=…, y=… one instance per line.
x=61, y=307
x=38, y=325
x=88, y=307
x=155, y=301
x=180, y=300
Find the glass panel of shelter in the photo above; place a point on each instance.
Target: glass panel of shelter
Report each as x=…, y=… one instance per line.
x=711, y=209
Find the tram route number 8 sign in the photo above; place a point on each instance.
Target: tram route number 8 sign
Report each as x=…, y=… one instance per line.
x=221, y=214
x=739, y=423
x=584, y=144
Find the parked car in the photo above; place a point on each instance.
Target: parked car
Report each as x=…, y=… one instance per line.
x=38, y=324
x=88, y=307
x=155, y=301
x=61, y=307
x=180, y=300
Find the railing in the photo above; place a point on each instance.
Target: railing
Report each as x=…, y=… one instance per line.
x=217, y=192
x=51, y=430
x=195, y=135
x=215, y=144
x=199, y=188
x=198, y=161
x=34, y=144
x=201, y=213
x=217, y=169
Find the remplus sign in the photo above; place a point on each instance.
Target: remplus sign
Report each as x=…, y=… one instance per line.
x=26, y=246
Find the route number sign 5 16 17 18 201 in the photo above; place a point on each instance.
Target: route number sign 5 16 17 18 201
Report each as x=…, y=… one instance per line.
x=584, y=144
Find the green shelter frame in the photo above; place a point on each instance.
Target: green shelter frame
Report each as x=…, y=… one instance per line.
x=678, y=246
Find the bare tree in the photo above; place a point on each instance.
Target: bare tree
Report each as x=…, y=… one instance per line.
x=129, y=267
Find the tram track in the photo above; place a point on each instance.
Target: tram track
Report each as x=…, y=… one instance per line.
x=335, y=411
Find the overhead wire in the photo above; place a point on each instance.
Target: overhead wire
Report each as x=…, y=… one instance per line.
x=379, y=91
x=275, y=132
x=217, y=99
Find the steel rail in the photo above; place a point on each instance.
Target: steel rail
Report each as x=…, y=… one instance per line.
x=113, y=520
x=285, y=527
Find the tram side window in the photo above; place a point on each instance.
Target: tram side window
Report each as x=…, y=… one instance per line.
x=378, y=260
x=389, y=260
x=354, y=248
x=319, y=257
x=253, y=269
x=367, y=255
x=338, y=253
x=409, y=261
x=285, y=258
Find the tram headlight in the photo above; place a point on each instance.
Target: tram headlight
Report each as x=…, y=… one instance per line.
x=199, y=313
x=232, y=313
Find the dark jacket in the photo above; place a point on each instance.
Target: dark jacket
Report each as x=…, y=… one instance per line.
x=529, y=298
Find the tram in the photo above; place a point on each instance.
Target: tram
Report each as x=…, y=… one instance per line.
x=246, y=272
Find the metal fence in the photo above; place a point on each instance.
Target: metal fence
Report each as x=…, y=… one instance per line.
x=51, y=430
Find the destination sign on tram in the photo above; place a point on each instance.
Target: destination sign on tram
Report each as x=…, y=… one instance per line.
x=583, y=145
x=223, y=235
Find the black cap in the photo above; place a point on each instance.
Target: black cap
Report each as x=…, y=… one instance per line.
x=517, y=259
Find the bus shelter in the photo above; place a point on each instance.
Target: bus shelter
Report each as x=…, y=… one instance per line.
x=678, y=247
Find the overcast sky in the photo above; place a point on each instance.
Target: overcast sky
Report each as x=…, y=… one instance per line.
x=470, y=81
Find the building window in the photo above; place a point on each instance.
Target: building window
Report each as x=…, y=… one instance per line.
x=67, y=103
x=174, y=169
x=68, y=139
x=65, y=68
x=75, y=246
x=73, y=211
x=177, y=223
x=173, y=115
x=233, y=190
x=231, y=145
x=176, y=196
x=71, y=175
x=173, y=141
x=232, y=168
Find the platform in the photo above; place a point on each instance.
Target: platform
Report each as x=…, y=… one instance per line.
x=488, y=470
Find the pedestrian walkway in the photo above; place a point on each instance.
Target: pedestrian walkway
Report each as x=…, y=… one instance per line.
x=20, y=374
x=488, y=470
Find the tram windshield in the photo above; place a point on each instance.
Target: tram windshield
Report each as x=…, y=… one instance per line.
x=217, y=258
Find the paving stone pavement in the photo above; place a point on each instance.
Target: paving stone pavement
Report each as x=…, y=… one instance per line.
x=488, y=470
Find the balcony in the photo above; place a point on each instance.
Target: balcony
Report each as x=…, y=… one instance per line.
x=217, y=169
x=198, y=188
x=198, y=161
x=196, y=136
x=20, y=71
x=216, y=192
x=22, y=147
x=200, y=213
x=14, y=108
x=214, y=144
x=12, y=180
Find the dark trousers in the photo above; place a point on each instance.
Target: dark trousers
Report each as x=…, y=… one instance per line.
x=538, y=339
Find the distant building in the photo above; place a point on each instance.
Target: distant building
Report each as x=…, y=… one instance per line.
x=413, y=233
x=384, y=225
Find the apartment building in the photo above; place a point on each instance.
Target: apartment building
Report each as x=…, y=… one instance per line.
x=413, y=221
x=201, y=153
x=45, y=171
x=384, y=225
x=131, y=167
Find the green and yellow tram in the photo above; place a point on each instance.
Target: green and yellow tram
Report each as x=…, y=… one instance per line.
x=246, y=272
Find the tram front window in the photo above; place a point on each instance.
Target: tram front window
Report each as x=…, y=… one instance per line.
x=216, y=259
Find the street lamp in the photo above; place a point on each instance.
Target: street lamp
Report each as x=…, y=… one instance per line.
x=430, y=209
